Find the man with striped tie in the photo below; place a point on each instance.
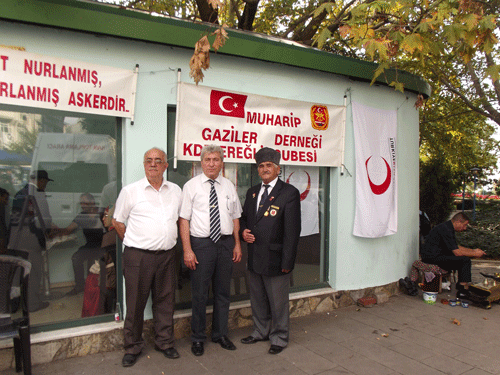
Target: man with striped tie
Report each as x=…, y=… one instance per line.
x=209, y=226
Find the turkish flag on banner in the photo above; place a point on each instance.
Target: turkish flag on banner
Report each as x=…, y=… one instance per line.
x=227, y=104
x=375, y=133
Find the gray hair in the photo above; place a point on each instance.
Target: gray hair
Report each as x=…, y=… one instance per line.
x=208, y=149
x=156, y=148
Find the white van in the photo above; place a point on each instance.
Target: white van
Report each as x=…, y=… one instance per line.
x=78, y=163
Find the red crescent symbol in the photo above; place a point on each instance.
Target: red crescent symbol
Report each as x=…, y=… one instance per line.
x=382, y=188
x=308, y=188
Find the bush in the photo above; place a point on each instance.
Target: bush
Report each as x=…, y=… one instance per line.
x=484, y=233
x=437, y=183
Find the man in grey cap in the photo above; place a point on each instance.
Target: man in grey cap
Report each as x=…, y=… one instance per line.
x=270, y=224
x=30, y=224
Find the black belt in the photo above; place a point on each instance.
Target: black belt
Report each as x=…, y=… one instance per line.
x=223, y=237
x=148, y=251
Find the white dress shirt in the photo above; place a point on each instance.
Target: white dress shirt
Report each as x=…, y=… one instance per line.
x=195, y=205
x=150, y=215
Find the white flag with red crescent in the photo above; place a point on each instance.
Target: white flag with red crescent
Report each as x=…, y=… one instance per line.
x=306, y=180
x=375, y=133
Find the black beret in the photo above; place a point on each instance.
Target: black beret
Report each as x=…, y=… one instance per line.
x=267, y=154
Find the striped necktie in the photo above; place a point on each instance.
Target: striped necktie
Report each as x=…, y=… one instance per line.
x=214, y=214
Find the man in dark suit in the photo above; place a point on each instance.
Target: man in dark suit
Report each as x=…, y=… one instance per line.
x=270, y=224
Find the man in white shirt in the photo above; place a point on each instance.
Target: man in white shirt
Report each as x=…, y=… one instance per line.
x=209, y=226
x=149, y=207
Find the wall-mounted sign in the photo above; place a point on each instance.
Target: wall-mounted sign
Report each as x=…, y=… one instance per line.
x=304, y=133
x=39, y=81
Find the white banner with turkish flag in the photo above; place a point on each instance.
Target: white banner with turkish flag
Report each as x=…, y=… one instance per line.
x=306, y=180
x=304, y=133
x=375, y=131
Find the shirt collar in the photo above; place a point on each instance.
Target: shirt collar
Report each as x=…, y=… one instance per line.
x=206, y=179
x=164, y=183
x=271, y=184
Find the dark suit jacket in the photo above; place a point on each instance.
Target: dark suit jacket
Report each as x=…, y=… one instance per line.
x=276, y=228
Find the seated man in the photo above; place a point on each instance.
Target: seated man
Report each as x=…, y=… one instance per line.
x=441, y=249
x=93, y=230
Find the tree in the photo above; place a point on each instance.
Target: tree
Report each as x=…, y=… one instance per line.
x=451, y=43
x=453, y=40
x=437, y=183
x=26, y=143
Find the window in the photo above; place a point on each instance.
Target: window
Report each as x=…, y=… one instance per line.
x=62, y=175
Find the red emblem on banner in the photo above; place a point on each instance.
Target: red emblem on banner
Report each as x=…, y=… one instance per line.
x=382, y=188
x=227, y=104
x=319, y=117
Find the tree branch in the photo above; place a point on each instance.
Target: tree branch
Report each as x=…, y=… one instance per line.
x=496, y=84
x=466, y=100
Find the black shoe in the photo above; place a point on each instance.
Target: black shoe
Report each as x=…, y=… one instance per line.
x=251, y=340
x=275, y=349
x=171, y=353
x=413, y=288
x=129, y=359
x=41, y=306
x=197, y=348
x=404, y=285
x=225, y=343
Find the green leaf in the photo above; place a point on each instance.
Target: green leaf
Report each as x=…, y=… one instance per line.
x=470, y=21
x=493, y=72
x=398, y=86
x=321, y=38
x=412, y=42
x=328, y=7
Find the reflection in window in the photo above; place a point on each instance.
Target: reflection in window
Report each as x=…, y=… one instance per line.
x=60, y=172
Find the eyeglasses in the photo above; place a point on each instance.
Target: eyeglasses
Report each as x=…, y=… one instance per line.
x=157, y=161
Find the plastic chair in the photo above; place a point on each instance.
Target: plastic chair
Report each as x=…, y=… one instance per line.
x=14, y=279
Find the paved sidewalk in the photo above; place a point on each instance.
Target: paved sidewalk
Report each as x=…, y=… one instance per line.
x=403, y=336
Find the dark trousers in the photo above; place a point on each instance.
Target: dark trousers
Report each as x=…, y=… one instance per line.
x=148, y=271
x=462, y=264
x=269, y=296
x=82, y=255
x=35, y=294
x=215, y=265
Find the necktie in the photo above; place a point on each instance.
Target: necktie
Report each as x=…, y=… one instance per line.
x=214, y=214
x=264, y=196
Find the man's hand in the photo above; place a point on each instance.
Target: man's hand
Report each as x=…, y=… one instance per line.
x=237, y=253
x=190, y=259
x=478, y=253
x=248, y=236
